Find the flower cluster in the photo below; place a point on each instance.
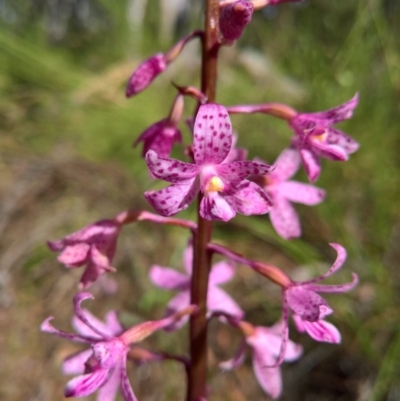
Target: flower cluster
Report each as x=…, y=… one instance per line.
x=217, y=175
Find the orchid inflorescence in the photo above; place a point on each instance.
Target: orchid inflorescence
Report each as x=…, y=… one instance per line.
x=217, y=174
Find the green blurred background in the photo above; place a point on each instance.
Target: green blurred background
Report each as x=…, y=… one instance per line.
x=66, y=160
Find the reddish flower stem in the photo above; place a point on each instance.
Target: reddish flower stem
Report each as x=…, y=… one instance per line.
x=197, y=374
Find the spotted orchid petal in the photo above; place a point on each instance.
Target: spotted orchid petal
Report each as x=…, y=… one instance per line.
x=126, y=388
x=212, y=134
x=170, y=170
x=235, y=172
x=74, y=255
x=339, y=113
x=173, y=199
x=47, y=327
x=270, y=379
x=249, y=199
x=215, y=207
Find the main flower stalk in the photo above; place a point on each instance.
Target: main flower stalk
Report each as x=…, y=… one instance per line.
x=197, y=374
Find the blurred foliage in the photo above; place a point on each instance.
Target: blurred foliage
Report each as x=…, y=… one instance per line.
x=63, y=67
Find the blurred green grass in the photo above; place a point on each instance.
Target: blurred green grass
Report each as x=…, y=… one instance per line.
x=314, y=56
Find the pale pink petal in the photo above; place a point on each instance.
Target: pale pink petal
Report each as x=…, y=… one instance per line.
x=340, y=259
x=270, y=379
x=301, y=193
x=168, y=279
x=221, y=272
x=306, y=303
x=321, y=331
x=171, y=170
x=126, y=388
x=237, y=359
x=188, y=258
x=108, y=392
x=75, y=364
x=84, y=330
x=284, y=218
x=312, y=164
x=74, y=255
x=339, y=113
x=212, y=134
x=177, y=303
x=215, y=207
x=219, y=300
x=84, y=385
x=173, y=199
x=248, y=199
x=287, y=164
x=47, y=327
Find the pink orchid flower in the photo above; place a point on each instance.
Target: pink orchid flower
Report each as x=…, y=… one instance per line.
x=224, y=185
x=217, y=299
x=93, y=245
x=315, y=136
x=102, y=368
x=282, y=192
x=234, y=17
x=265, y=343
x=309, y=308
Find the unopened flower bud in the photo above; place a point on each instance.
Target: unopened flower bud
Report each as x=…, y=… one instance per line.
x=144, y=75
x=234, y=17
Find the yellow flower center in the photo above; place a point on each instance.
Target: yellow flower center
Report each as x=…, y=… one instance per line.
x=215, y=185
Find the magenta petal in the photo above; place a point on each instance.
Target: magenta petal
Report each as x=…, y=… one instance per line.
x=249, y=199
x=107, y=353
x=173, y=199
x=168, y=279
x=335, y=288
x=235, y=172
x=144, y=75
x=126, y=388
x=286, y=164
x=219, y=300
x=322, y=331
x=340, y=259
x=332, y=152
x=108, y=391
x=270, y=379
x=305, y=303
x=74, y=255
x=84, y=315
x=221, y=272
x=284, y=219
x=301, y=193
x=84, y=385
x=215, y=207
x=312, y=164
x=234, y=17
x=75, y=364
x=170, y=170
x=339, y=138
x=47, y=327
x=212, y=134
x=339, y=113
